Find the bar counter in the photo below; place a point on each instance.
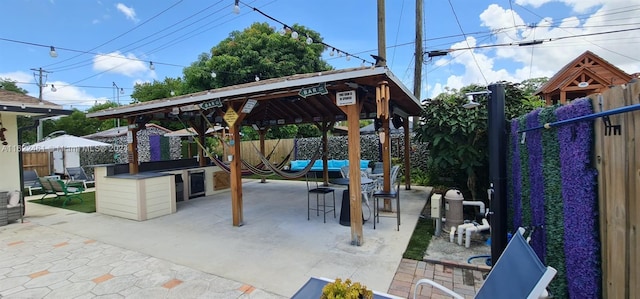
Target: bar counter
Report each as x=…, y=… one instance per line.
x=150, y=193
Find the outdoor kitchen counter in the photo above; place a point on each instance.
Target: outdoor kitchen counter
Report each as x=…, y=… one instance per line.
x=144, y=195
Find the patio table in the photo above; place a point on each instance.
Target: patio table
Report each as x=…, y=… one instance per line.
x=345, y=210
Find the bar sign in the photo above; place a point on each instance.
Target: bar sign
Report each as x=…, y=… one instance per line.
x=344, y=98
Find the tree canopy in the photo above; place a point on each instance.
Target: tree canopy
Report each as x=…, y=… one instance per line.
x=457, y=137
x=256, y=53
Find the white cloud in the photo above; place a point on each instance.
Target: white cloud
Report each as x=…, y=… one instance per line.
x=116, y=62
x=70, y=96
x=515, y=64
x=95, y=21
x=128, y=12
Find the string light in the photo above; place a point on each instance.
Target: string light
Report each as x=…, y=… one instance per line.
x=213, y=74
x=52, y=52
x=121, y=90
x=257, y=78
x=53, y=88
x=236, y=7
x=173, y=93
x=308, y=40
x=151, y=66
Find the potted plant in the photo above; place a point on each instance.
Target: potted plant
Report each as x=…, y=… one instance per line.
x=345, y=290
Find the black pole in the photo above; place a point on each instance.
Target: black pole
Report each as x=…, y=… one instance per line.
x=497, y=170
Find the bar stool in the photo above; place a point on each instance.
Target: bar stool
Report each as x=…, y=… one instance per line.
x=392, y=194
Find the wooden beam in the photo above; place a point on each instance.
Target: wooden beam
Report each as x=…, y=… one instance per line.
x=262, y=133
x=132, y=146
x=236, y=166
x=325, y=150
x=355, y=195
x=382, y=100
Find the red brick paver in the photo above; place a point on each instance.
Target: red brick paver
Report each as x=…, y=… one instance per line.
x=465, y=279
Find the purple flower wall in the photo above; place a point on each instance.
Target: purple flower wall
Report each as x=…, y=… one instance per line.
x=536, y=184
x=553, y=187
x=582, y=249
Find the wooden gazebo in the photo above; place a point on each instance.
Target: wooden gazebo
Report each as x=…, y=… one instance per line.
x=320, y=98
x=586, y=74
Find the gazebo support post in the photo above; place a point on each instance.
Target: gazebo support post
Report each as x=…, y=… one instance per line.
x=132, y=145
x=382, y=100
x=355, y=195
x=234, y=120
x=262, y=133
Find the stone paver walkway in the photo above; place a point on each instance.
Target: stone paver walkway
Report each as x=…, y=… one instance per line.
x=40, y=262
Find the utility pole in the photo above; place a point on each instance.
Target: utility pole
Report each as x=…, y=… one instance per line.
x=41, y=84
x=382, y=43
x=417, y=75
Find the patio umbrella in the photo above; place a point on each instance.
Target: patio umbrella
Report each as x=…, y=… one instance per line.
x=64, y=142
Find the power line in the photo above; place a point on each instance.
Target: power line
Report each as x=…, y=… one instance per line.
x=601, y=47
x=126, y=47
x=120, y=35
x=347, y=54
x=94, y=53
x=467, y=42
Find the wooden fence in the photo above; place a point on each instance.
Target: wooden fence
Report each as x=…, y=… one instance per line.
x=38, y=161
x=617, y=158
x=281, y=149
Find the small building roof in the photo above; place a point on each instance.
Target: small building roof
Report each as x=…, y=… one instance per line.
x=15, y=102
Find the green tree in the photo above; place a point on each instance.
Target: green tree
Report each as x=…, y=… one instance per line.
x=256, y=51
x=10, y=85
x=157, y=89
x=76, y=124
x=457, y=137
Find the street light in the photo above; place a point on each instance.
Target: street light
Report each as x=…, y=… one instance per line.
x=497, y=166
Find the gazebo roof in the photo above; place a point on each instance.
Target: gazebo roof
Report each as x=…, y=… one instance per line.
x=286, y=100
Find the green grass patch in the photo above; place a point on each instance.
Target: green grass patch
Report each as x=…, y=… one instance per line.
x=88, y=204
x=420, y=239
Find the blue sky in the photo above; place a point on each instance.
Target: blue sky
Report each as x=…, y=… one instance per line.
x=92, y=37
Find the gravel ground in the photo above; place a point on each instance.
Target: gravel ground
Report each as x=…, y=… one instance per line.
x=441, y=248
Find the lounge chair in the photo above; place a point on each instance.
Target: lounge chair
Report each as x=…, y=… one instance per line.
x=60, y=189
x=518, y=273
x=31, y=182
x=77, y=174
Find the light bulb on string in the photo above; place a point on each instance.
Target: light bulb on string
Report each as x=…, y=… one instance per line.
x=333, y=52
x=257, y=78
x=151, y=66
x=53, y=88
x=294, y=35
x=121, y=90
x=309, y=40
x=52, y=52
x=213, y=74
x=348, y=57
x=173, y=93
x=362, y=64
x=282, y=31
x=236, y=7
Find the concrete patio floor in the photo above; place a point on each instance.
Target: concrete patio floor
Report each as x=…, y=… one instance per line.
x=276, y=250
